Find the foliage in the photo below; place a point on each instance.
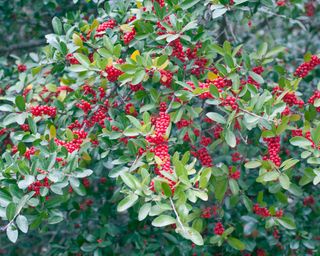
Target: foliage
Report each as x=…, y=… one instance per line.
x=163, y=127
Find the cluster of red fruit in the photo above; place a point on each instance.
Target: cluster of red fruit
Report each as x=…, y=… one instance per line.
x=304, y=69
x=234, y=174
x=37, y=185
x=129, y=36
x=84, y=105
x=71, y=59
x=298, y=132
x=308, y=201
x=230, y=101
x=310, y=8
x=131, y=110
x=208, y=212
x=290, y=98
x=101, y=29
x=313, y=98
x=218, y=229
x=183, y=123
x=136, y=87
x=160, y=145
x=43, y=110
x=113, y=73
x=21, y=68
x=273, y=144
x=75, y=143
x=264, y=212
x=166, y=78
x=203, y=156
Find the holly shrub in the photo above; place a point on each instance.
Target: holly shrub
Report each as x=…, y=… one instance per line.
x=177, y=127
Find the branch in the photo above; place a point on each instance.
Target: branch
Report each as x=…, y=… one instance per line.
x=176, y=213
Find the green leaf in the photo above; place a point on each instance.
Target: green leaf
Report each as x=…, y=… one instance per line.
x=20, y=103
x=12, y=233
x=218, y=13
x=284, y=181
x=22, y=223
x=216, y=117
x=286, y=222
x=11, y=211
x=268, y=176
x=83, y=59
x=275, y=51
x=138, y=77
x=130, y=132
x=230, y=138
x=256, y=77
x=127, y=202
x=144, y=211
x=300, y=141
x=163, y=220
x=57, y=25
x=236, y=243
x=288, y=163
x=188, y=4
x=229, y=61
x=233, y=184
x=252, y=164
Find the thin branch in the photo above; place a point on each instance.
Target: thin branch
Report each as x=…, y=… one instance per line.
x=176, y=213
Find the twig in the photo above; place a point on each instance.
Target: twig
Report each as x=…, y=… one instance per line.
x=176, y=213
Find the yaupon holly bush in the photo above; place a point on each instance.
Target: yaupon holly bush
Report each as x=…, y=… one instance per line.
x=145, y=130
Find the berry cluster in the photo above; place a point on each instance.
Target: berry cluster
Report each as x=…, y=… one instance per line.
x=258, y=70
x=177, y=50
x=205, y=141
x=261, y=211
x=29, y=152
x=75, y=143
x=218, y=229
x=234, y=174
x=236, y=157
x=306, y=67
x=166, y=78
x=113, y=73
x=160, y=145
x=131, y=110
x=217, y=131
x=208, y=212
x=37, y=185
x=21, y=68
x=24, y=127
x=313, y=98
x=264, y=212
x=298, y=132
x=221, y=82
x=310, y=8
x=101, y=29
x=273, y=144
x=230, y=101
x=84, y=105
x=308, y=201
x=71, y=59
x=281, y=3
x=136, y=87
x=290, y=98
x=129, y=36
x=204, y=157
x=183, y=123
x=43, y=110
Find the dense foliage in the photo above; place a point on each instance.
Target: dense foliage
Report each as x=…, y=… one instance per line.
x=177, y=127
